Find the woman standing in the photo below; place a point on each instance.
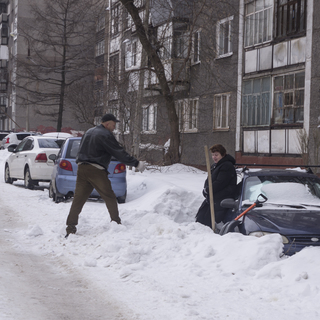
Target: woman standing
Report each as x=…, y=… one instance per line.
x=224, y=181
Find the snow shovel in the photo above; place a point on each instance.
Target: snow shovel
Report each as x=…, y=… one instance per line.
x=230, y=225
x=213, y=220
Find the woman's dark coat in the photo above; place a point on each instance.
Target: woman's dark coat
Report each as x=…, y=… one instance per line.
x=224, y=181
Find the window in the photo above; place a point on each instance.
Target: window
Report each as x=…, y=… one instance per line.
x=256, y=102
x=115, y=14
x=131, y=54
x=224, y=31
x=221, y=111
x=3, y=100
x=128, y=22
x=291, y=17
x=100, y=48
x=196, y=47
x=259, y=20
x=114, y=71
x=288, y=98
x=99, y=97
x=180, y=44
x=101, y=23
x=149, y=117
x=126, y=120
x=165, y=48
x=187, y=111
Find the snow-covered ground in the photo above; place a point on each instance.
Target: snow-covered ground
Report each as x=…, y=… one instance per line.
x=159, y=263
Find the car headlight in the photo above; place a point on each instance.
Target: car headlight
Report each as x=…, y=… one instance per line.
x=259, y=234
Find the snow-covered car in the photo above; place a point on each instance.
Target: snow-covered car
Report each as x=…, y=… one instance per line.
x=64, y=175
x=29, y=161
x=59, y=136
x=292, y=208
x=14, y=138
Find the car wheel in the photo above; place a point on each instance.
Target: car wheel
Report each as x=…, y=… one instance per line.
x=28, y=183
x=122, y=199
x=57, y=199
x=7, y=177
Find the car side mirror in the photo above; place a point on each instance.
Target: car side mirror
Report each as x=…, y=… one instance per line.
x=229, y=203
x=12, y=147
x=53, y=157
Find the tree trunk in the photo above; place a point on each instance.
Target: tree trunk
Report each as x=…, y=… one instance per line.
x=173, y=155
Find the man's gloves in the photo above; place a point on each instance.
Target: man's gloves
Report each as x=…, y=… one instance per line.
x=141, y=166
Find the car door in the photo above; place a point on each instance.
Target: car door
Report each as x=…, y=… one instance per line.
x=17, y=160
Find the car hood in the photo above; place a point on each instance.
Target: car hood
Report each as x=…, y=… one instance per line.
x=285, y=222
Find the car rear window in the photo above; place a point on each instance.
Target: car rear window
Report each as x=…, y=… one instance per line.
x=73, y=149
x=21, y=136
x=48, y=143
x=2, y=135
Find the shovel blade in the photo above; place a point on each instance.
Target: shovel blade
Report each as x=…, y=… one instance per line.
x=229, y=227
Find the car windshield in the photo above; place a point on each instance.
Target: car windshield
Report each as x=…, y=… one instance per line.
x=48, y=143
x=286, y=190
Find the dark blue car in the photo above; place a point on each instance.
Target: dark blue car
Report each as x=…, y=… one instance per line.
x=292, y=208
x=63, y=179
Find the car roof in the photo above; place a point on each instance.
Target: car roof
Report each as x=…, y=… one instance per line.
x=57, y=135
x=278, y=172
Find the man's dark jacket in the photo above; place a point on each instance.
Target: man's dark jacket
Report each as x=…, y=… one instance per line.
x=224, y=181
x=98, y=145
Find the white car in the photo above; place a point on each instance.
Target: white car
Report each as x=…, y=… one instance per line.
x=59, y=136
x=14, y=138
x=29, y=161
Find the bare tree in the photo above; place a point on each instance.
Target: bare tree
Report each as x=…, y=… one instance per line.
x=60, y=55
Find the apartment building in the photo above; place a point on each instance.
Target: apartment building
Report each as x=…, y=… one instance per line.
x=244, y=74
x=277, y=107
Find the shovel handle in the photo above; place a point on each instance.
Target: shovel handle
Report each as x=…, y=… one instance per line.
x=253, y=205
x=245, y=211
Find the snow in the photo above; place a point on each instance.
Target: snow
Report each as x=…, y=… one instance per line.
x=159, y=263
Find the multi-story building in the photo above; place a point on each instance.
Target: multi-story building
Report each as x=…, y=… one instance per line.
x=20, y=110
x=277, y=107
x=3, y=63
x=200, y=70
x=244, y=75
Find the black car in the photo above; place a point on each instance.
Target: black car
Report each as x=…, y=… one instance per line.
x=292, y=208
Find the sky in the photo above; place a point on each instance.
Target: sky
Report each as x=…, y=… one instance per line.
x=159, y=263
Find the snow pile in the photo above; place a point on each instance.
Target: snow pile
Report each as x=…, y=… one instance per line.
x=159, y=262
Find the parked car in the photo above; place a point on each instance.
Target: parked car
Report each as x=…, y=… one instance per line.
x=64, y=175
x=29, y=161
x=292, y=208
x=2, y=135
x=59, y=136
x=14, y=138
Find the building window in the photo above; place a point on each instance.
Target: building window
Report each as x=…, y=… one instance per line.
x=100, y=48
x=3, y=100
x=187, y=111
x=224, y=32
x=126, y=121
x=149, y=118
x=114, y=71
x=288, y=102
x=131, y=54
x=256, y=104
x=101, y=23
x=291, y=17
x=259, y=20
x=196, y=47
x=180, y=42
x=115, y=14
x=221, y=111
